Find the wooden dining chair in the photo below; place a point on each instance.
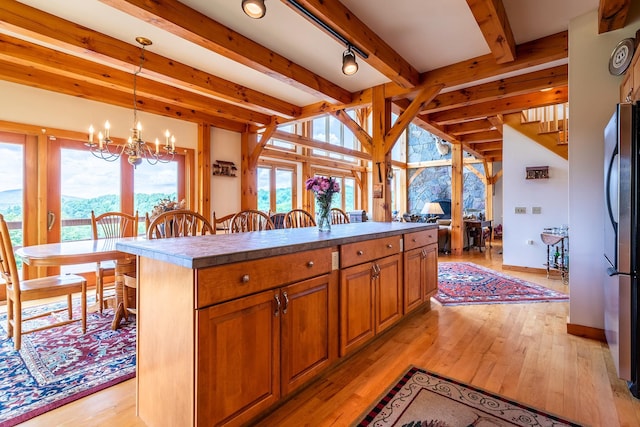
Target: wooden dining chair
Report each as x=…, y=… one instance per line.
x=338, y=216
x=178, y=223
x=251, y=220
x=278, y=219
x=222, y=224
x=110, y=225
x=298, y=218
x=19, y=291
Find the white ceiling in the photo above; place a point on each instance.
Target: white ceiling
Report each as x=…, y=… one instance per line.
x=428, y=33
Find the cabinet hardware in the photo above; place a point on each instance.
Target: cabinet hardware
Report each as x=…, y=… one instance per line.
x=360, y=253
x=286, y=303
x=278, y=304
x=245, y=278
x=389, y=245
x=310, y=264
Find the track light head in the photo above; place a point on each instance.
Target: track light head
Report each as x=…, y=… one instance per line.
x=254, y=8
x=349, y=64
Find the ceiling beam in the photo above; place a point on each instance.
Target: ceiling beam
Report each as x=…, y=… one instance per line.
x=536, y=52
x=612, y=15
x=518, y=85
x=319, y=145
x=189, y=24
x=494, y=24
x=486, y=146
x=471, y=126
x=31, y=76
x=381, y=56
x=28, y=21
x=487, y=136
x=25, y=53
x=506, y=105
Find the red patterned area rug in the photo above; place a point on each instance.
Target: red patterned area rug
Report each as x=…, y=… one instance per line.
x=425, y=399
x=462, y=283
x=57, y=366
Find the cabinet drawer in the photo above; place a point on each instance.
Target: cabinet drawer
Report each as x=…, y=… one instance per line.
x=359, y=252
x=226, y=282
x=420, y=238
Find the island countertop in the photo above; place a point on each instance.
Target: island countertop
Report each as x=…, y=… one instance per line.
x=219, y=249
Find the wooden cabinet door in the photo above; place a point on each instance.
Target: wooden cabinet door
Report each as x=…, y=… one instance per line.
x=413, y=279
x=388, y=292
x=238, y=360
x=308, y=330
x=356, y=307
x=430, y=271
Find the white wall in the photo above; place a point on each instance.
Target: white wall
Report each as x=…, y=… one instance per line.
x=593, y=94
x=518, y=152
x=225, y=191
x=32, y=106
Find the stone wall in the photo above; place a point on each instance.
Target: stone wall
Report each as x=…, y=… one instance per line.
x=431, y=183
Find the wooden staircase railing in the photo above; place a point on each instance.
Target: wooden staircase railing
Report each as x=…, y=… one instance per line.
x=552, y=119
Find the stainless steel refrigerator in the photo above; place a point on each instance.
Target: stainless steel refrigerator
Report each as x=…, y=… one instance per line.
x=621, y=240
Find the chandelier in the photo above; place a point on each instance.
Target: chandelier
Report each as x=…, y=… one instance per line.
x=135, y=148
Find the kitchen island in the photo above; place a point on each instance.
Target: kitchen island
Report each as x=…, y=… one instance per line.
x=230, y=324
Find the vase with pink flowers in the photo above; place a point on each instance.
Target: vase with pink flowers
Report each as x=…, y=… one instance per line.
x=323, y=188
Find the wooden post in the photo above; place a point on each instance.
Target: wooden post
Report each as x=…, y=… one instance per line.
x=204, y=170
x=457, y=225
x=380, y=158
x=249, y=180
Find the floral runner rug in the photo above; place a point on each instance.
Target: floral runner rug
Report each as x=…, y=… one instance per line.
x=462, y=283
x=425, y=399
x=57, y=366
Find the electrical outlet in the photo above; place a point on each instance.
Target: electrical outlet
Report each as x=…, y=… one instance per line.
x=521, y=210
x=536, y=210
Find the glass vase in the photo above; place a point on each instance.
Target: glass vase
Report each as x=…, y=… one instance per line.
x=323, y=215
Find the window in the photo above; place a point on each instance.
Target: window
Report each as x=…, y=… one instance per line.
x=12, y=160
x=276, y=187
x=151, y=184
x=332, y=131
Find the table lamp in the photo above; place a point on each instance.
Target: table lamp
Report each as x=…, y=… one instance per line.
x=432, y=209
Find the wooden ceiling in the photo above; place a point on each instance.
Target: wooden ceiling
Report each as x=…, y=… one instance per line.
x=45, y=51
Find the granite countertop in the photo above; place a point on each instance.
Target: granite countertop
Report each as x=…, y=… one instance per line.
x=219, y=249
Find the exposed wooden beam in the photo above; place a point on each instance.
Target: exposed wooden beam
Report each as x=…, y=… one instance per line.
x=502, y=106
x=612, y=14
x=482, y=147
x=31, y=76
x=183, y=21
x=264, y=138
x=518, y=85
x=486, y=136
x=294, y=157
x=425, y=95
x=496, y=121
x=365, y=139
x=536, y=52
x=381, y=56
x=494, y=24
x=471, y=126
x=25, y=53
x=31, y=22
x=312, y=143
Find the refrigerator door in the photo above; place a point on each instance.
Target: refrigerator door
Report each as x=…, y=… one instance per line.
x=617, y=283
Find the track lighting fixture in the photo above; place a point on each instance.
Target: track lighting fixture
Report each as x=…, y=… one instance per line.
x=254, y=8
x=349, y=64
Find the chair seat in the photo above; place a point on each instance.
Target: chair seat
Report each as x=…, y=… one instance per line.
x=51, y=285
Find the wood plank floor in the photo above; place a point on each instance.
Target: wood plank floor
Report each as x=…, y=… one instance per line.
x=521, y=351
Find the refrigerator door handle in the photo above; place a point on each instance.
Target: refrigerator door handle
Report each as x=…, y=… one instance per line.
x=614, y=224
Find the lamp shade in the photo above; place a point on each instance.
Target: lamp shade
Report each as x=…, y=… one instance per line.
x=432, y=208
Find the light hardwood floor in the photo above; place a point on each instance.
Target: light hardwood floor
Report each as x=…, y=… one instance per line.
x=521, y=351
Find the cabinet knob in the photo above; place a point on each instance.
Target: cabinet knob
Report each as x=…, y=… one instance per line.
x=310, y=264
x=413, y=240
x=389, y=245
x=360, y=252
x=245, y=278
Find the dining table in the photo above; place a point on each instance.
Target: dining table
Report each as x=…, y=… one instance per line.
x=83, y=252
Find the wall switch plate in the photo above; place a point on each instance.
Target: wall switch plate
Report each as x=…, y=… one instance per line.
x=521, y=210
x=536, y=210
